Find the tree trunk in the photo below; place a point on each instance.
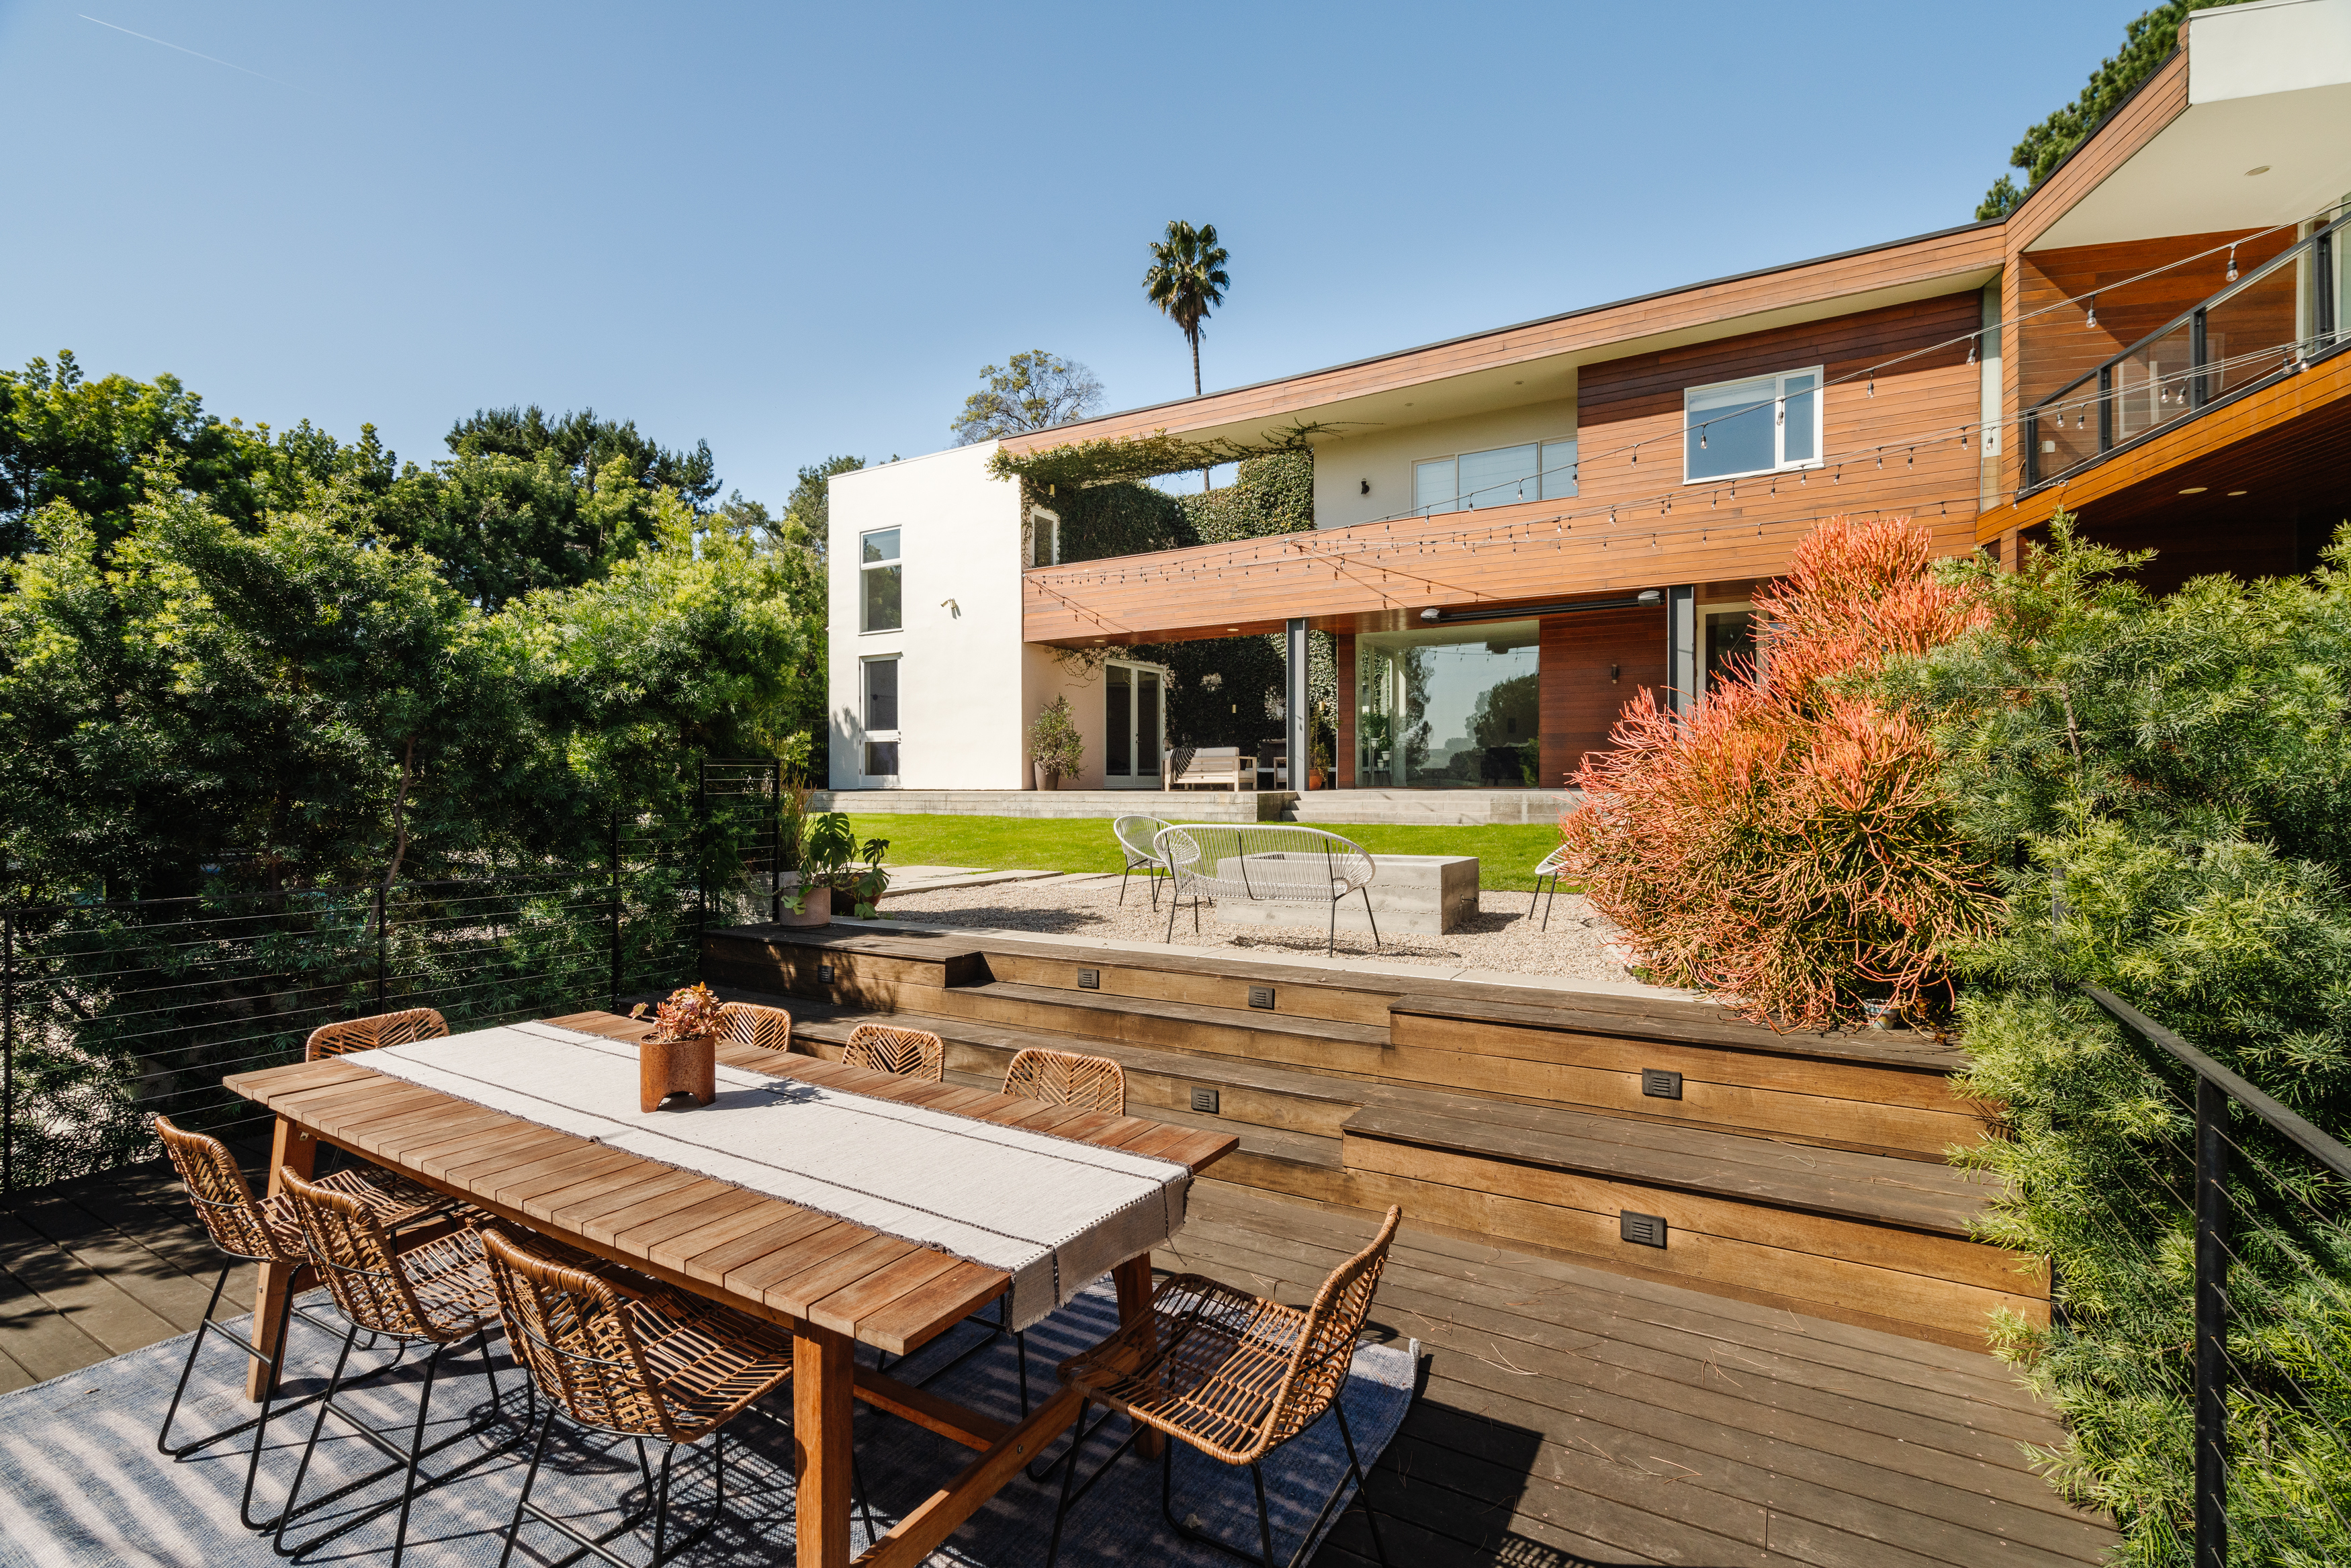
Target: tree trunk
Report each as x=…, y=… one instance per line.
x=1195, y=362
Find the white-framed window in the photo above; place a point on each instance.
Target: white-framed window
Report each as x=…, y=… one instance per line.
x=1728, y=647
x=1498, y=476
x=1044, y=537
x=879, y=678
x=881, y=582
x=1760, y=425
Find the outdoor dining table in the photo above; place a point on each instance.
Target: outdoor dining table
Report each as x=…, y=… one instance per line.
x=833, y=1283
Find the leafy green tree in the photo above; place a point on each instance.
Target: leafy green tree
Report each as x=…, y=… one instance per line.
x=809, y=507
x=2148, y=41
x=2165, y=787
x=587, y=446
x=1032, y=391
x=1187, y=280
x=502, y=526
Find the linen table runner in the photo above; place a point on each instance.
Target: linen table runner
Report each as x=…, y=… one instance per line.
x=1054, y=1213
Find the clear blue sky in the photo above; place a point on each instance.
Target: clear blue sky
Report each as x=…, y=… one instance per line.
x=801, y=230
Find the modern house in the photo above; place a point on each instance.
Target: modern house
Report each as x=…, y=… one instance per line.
x=1514, y=530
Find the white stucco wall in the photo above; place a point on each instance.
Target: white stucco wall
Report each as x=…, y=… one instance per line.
x=1385, y=456
x=963, y=679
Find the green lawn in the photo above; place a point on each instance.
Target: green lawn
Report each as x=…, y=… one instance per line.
x=1506, y=855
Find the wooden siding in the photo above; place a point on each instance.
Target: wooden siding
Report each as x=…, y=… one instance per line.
x=1810, y=284
x=1343, y=755
x=2159, y=100
x=1634, y=525
x=1580, y=701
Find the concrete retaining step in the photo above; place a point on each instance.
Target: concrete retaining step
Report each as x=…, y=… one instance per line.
x=1172, y=805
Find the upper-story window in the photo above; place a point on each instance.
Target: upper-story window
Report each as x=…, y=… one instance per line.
x=1044, y=537
x=1498, y=476
x=881, y=588
x=1756, y=426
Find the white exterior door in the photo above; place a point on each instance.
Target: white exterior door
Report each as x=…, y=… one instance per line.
x=1135, y=724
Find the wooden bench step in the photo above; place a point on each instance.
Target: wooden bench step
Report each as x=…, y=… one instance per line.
x=1327, y=1045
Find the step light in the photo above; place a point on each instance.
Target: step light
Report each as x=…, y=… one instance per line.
x=1088, y=980
x=1261, y=996
x=1642, y=1230
x=824, y=974
x=1658, y=1083
x=1204, y=1102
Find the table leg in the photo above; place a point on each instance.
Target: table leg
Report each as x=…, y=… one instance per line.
x=289, y=1147
x=824, y=1378
x=1133, y=1279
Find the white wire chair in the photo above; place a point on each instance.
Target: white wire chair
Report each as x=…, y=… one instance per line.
x=1265, y=863
x=1137, y=838
x=1553, y=865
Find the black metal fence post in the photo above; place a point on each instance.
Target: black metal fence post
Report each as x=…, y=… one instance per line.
x=383, y=949
x=2199, y=391
x=776, y=840
x=614, y=862
x=701, y=859
x=7, y=1057
x=2212, y=1325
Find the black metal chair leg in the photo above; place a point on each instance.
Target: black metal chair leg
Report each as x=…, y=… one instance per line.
x=204, y=1325
x=1122, y=888
x=326, y=1402
x=1264, y=1523
x=865, y=1498
x=529, y=1479
x=277, y=1365
x=661, y=1509
x=415, y=1456
x=1061, y=1510
x=1363, y=1485
x=1331, y=946
x=1371, y=917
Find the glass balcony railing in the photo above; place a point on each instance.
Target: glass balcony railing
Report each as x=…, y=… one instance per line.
x=2237, y=337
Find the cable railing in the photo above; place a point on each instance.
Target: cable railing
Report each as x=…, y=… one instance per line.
x=2265, y=1199
x=2224, y=345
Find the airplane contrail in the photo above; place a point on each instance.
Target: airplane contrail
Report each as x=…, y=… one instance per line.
x=87, y=17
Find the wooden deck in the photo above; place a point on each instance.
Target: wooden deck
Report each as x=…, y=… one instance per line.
x=1567, y=1415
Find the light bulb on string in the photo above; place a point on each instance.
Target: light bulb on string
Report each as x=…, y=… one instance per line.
x=1872, y=384
x=1971, y=350
x=2091, y=321
x=2232, y=264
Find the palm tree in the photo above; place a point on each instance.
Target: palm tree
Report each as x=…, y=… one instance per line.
x=1187, y=280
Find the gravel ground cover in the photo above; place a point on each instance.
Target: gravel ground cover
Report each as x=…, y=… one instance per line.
x=1505, y=935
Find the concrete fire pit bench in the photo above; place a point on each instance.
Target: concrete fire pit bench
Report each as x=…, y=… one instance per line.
x=1427, y=894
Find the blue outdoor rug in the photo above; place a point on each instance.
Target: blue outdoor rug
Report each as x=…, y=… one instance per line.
x=81, y=1483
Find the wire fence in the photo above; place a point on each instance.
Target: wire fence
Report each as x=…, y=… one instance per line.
x=2251, y=1205
x=113, y=1012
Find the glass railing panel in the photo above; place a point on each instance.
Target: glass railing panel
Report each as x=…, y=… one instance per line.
x=2151, y=385
x=2069, y=429
x=2250, y=334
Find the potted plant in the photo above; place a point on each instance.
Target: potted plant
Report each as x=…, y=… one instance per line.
x=834, y=866
x=1318, y=750
x=681, y=1055
x=1055, y=747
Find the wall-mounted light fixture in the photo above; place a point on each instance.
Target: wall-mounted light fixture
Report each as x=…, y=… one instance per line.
x=1614, y=670
x=1366, y=484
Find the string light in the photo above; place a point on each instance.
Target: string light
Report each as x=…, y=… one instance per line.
x=2232, y=264
x=2092, y=320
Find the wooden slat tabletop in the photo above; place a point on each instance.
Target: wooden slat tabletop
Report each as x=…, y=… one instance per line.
x=776, y=1259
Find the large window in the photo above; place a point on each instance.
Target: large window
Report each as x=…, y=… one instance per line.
x=1498, y=476
x=1449, y=708
x=880, y=717
x=1757, y=426
x=883, y=590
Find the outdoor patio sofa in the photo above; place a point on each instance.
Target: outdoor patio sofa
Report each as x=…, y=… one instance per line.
x=1208, y=767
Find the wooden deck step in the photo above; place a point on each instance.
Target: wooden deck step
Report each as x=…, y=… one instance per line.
x=845, y=965
x=1322, y=1045
x=1880, y=1092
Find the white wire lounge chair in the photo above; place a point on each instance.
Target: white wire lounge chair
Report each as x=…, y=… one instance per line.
x=1554, y=864
x=1137, y=838
x=1276, y=863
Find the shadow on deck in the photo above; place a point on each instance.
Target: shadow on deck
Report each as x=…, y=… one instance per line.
x=1566, y=1415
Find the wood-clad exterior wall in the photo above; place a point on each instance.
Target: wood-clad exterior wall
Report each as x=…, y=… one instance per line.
x=1580, y=698
x=1634, y=524
x=1343, y=752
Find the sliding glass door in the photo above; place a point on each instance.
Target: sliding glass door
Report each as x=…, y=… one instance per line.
x=1135, y=724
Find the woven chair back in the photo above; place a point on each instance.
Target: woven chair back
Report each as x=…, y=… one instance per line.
x=572, y=1331
x=760, y=1028
x=224, y=1199
x=1326, y=1346
x=1281, y=863
x=1067, y=1078
x=1553, y=863
x=354, y=1257
x=1136, y=836
x=904, y=1053
x=367, y=1033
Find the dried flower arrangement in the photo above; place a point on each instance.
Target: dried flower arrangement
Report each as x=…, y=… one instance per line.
x=691, y=1010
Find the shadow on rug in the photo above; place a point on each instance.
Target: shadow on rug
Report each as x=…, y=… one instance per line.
x=80, y=1481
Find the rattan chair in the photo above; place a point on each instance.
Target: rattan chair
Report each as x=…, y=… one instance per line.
x=903, y=1052
x=368, y=1033
x=250, y=1231
x=1067, y=1078
x=1553, y=866
x=760, y=1028
x=435, y=1293
x=1234, y=1376
x=655, y=1364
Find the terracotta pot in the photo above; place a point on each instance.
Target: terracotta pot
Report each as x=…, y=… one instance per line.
x=1313, y=778
x=816, y=908
x=666, y=1067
